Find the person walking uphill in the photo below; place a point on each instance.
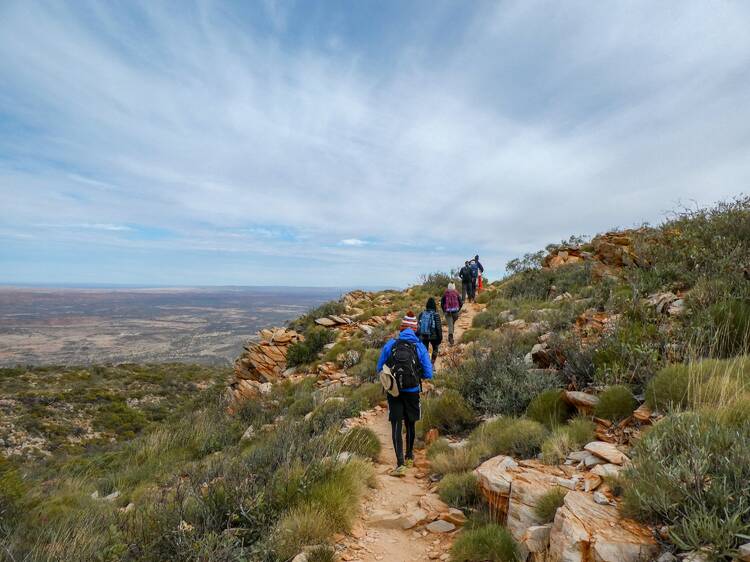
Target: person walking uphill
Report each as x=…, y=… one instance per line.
x=451, y=303
x=466, y=281
x=408, y=361
x=430, y=329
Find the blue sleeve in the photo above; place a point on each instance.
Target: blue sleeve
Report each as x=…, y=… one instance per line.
x=424, y=359
x=384, y=354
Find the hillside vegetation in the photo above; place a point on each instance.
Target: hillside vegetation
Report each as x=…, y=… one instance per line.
x=638, y=339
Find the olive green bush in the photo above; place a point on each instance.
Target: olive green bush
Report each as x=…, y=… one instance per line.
x=549, y=408
x=547, y=506
x=488, y=543
x=615, y=403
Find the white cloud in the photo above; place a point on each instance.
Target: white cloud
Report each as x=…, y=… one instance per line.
x=353, y=242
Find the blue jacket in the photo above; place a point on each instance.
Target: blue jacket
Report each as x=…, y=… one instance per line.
x=424, y=357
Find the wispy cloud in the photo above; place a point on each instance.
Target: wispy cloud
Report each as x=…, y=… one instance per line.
x=275, y=130
x=354, y=242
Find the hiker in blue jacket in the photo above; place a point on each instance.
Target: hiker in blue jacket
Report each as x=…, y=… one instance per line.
x=409, y=360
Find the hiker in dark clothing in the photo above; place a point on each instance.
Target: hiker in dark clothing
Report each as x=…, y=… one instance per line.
x=476, y=271
x=409, y=362
x=465, y=276
x=451, y=303
x=429, y=328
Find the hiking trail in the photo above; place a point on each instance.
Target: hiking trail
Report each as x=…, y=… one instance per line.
x=379, y=534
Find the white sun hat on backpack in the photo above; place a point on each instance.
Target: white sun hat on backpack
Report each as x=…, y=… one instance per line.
x=388, y=381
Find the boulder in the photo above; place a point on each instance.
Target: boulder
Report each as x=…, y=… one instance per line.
x=325, y=322
x=585, y=531
x=583, y=401
x=607, y=451
x=607, y=470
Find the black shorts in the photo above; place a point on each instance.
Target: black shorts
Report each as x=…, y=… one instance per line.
x=405, y=406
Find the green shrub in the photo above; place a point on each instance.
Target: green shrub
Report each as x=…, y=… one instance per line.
x=615, y=403
x=669, y=388
x=460, y=490
x=367, y=396
x=458, y=459
x=710, y=382
x=441, y=445
x=303, y=526
x=566, y=439
x=448, y=412
x=301, y=406
x=690, y=473
x=548, y=504
x=436, y=283
x=361, y=441
x=731, y=321
x=581, y=431
x=119, y=418
x=367, y=368
x=301, y=353
x=515, y=437
x=487, y=320
x=499, y=382
x=337, y=495
x=491, y=543
x=549, y=408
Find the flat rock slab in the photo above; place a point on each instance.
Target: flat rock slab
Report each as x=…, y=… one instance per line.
x=441, y=526
x=581, y=399
x=607, y=451
x=327, y=322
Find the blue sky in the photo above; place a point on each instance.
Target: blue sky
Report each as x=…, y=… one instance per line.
x=353, y=143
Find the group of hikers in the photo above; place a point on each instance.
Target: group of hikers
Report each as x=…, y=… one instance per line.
x=406, y=360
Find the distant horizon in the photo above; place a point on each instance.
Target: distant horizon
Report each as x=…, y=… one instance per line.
x=4, y=285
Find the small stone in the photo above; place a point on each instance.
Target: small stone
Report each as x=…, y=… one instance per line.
x=249, y=433
x=743, y=552
x=667, y=557
x=455, y=516
x=440, y=526
x=601, y=499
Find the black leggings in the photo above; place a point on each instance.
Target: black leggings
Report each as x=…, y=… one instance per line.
x=398, y=442
x=435, y=345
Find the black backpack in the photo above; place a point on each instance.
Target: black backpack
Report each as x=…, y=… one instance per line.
x=404, y=364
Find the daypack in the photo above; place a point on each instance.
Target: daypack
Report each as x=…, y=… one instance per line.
x=404, y=364
x=427, y=327
x=451, y=301
x=474, y=269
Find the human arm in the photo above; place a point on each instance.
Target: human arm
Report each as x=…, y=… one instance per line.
x=424, y=360
x=384, y=354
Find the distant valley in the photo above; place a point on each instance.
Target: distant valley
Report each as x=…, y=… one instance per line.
x=200, y=325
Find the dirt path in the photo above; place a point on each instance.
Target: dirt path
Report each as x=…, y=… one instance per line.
x=391, y=527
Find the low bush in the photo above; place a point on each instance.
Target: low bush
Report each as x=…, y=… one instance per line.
x=566, y=439
x=361, y=441
x=326, y=309
x=690, y=473
x=549, y=408
x=499, y=382
x=337, y=494
x=448, y=412
x=303, y=526
x=731, y=321
x=711, y=382
x=460, y=490
x=367, y=368
x=303, y=352
x=615, y=403
x=521, y=438
x=458, y=459
x=549, y=503
x=367, y=396
x=441, y=445
x=436, y=283
x=489, y=543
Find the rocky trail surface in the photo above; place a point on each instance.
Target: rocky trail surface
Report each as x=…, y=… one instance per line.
x=403, y=519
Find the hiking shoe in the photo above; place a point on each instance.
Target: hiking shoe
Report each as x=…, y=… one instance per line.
x=409, y=463
x=399, y=471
